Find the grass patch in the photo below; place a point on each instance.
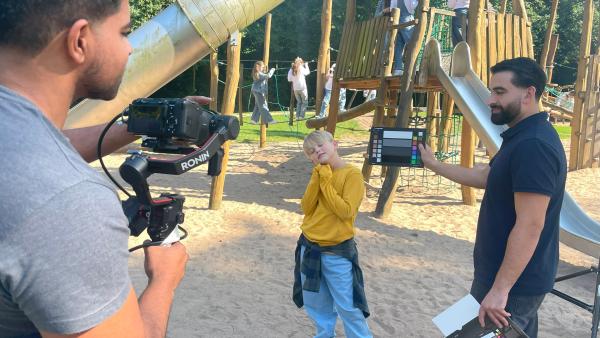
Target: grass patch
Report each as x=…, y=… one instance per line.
x=564, y=132
x=283, y=132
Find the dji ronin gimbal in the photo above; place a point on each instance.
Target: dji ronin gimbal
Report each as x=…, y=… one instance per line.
x=175, y=126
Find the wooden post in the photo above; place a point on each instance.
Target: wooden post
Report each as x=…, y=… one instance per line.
x=584, y=51
x=231, y=84
x=382, y=95
x=323, y=63
x=350, y=11
x=447, y=113
x=292, y=103
x=263, y=127
x=390, y=46
x=503, y=7
x=214, y=80
x=467, y=154
x=550, y=62
x=587, y=137
x=548, y=37
x=388, y=191
x=335, y=88
x=240, y=96
x=520, y=10
x=432, y=118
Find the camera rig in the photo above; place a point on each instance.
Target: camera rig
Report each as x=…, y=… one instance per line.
x=174, y=126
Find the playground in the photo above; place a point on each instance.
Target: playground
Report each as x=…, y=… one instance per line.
x=417, y=261
x=415, y=230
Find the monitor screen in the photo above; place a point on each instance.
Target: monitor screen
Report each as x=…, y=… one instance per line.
x=396, y=146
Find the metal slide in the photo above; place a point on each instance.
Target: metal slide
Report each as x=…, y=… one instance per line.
x=577, y=229
x=167, y=45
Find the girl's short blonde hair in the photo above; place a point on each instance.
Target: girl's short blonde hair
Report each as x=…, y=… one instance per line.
x=315, y=138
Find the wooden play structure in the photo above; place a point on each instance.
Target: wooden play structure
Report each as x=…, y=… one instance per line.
x=364, y=62
x=365, y=59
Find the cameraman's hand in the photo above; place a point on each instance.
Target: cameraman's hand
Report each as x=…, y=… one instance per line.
x=199, y=99
x=164, y=265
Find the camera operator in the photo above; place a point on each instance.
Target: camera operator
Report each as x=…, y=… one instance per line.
x=63, y=234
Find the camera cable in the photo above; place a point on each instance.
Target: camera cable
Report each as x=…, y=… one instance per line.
x=99, y=151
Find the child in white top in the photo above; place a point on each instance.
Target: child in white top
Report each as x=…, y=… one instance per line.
x=296, y=75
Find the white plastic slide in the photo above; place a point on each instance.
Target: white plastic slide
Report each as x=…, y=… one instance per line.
x=577, y=229
x=167, y=45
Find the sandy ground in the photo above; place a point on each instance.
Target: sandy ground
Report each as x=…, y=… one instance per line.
x=416, y=262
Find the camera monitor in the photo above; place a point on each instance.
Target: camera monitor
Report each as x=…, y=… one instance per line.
x=396, y=146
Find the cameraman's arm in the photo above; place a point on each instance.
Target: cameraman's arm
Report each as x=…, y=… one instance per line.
x=85, y=140
x=164, y=267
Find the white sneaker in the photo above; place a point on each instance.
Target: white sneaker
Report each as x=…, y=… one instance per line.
x=272, y=122
x=253, y=122
x=397, y=72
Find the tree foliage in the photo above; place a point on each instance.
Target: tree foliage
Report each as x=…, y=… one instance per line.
x=296, y=31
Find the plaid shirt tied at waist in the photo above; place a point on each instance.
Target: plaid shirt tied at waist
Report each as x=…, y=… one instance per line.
x=311, y=268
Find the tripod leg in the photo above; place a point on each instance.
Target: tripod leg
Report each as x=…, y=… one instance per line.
x=596, y=311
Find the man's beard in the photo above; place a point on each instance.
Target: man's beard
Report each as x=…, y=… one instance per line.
x=506, y=114
x=95, y=87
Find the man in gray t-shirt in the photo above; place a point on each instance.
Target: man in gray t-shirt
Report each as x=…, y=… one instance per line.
x=60, y=219
x=63, y=235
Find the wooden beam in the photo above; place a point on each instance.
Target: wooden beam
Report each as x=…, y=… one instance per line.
x=519, y=9
x=388, y=191
x=501, y=40
x=323, y=62
x=214, y=81
x=508, y=34
x=229, y=93
x=502, y=9
x=387, y=71
x=550, y=62
x=266, y=48
x=584, y=51
x=292, y=105
x=350, y=11
x=587, y=118
x=240, y=96
x=474, y=38
x=349, y=114
x=548, y=38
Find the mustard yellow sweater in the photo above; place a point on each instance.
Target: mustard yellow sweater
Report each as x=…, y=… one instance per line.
x=330, y=204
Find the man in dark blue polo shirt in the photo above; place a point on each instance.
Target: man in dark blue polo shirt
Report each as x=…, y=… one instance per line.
x=516, y=247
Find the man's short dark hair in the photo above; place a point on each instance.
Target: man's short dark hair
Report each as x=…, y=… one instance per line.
x=29, y=25
x=526, y=73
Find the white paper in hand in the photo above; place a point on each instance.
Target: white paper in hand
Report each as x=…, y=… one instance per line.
x=457, y=315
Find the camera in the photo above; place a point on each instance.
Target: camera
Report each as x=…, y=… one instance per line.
x=167, y=123
x=175, y=126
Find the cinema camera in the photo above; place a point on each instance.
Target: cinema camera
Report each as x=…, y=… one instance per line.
x=174, y=126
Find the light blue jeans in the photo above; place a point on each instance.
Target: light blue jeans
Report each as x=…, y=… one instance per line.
x=326, y=99
x=342, y=99
x=402, y=38
x=261, y=109
x=334, y=298
x=301, y=102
